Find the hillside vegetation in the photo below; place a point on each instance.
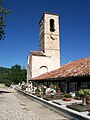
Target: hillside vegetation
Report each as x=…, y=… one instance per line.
x=16, y=74
x=4, y=72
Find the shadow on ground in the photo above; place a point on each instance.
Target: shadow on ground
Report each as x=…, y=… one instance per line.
x=2, y=91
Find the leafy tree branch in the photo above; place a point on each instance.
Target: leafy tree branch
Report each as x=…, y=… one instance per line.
x=3, y=14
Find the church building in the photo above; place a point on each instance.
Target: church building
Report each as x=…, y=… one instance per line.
x=44, y=65
x=48, y=56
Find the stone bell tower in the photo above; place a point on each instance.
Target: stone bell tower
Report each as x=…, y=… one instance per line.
x=49, y=36
x=48, y=56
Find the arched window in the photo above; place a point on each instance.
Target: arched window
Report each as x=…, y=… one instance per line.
x=52, y=29
x=43, y=69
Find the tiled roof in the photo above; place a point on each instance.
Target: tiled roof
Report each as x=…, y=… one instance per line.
x=37, y=53
x=76, y=68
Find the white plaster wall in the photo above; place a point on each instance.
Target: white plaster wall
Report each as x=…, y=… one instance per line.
x=39, y=61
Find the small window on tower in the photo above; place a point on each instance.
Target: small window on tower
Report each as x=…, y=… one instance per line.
x=52, y=29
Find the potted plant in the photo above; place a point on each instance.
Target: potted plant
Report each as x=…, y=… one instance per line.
x=88, y=98
x=37, y=91
x=77, y=96
x=83, y=94
x=67, y=97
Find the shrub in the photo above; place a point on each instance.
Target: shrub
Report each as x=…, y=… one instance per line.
x=37, y=90
x=67, y=95
x=8, y=83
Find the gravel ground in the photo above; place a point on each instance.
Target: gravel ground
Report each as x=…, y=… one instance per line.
x=14, y=106
x=11, y=108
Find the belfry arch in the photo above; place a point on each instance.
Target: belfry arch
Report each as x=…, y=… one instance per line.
x=52, y=25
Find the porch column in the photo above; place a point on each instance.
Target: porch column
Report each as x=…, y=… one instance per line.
x=67, y=86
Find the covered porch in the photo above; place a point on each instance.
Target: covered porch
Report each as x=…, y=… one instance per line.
x=67, y=84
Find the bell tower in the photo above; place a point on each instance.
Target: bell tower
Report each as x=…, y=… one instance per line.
x=48, y=56
x=49, y=36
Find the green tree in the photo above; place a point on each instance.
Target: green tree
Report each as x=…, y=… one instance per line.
x=17, y=74
x=3, y=14
x=4, y=72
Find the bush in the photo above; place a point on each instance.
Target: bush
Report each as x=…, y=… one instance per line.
x=37, y=90
x=67, y=95
x=8, y=83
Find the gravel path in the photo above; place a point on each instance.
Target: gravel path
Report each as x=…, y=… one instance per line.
x=14, y=106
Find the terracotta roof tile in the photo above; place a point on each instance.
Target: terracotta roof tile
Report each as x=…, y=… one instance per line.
x=76, y=68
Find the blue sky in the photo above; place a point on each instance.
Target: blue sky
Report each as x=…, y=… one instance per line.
x=22, y=30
